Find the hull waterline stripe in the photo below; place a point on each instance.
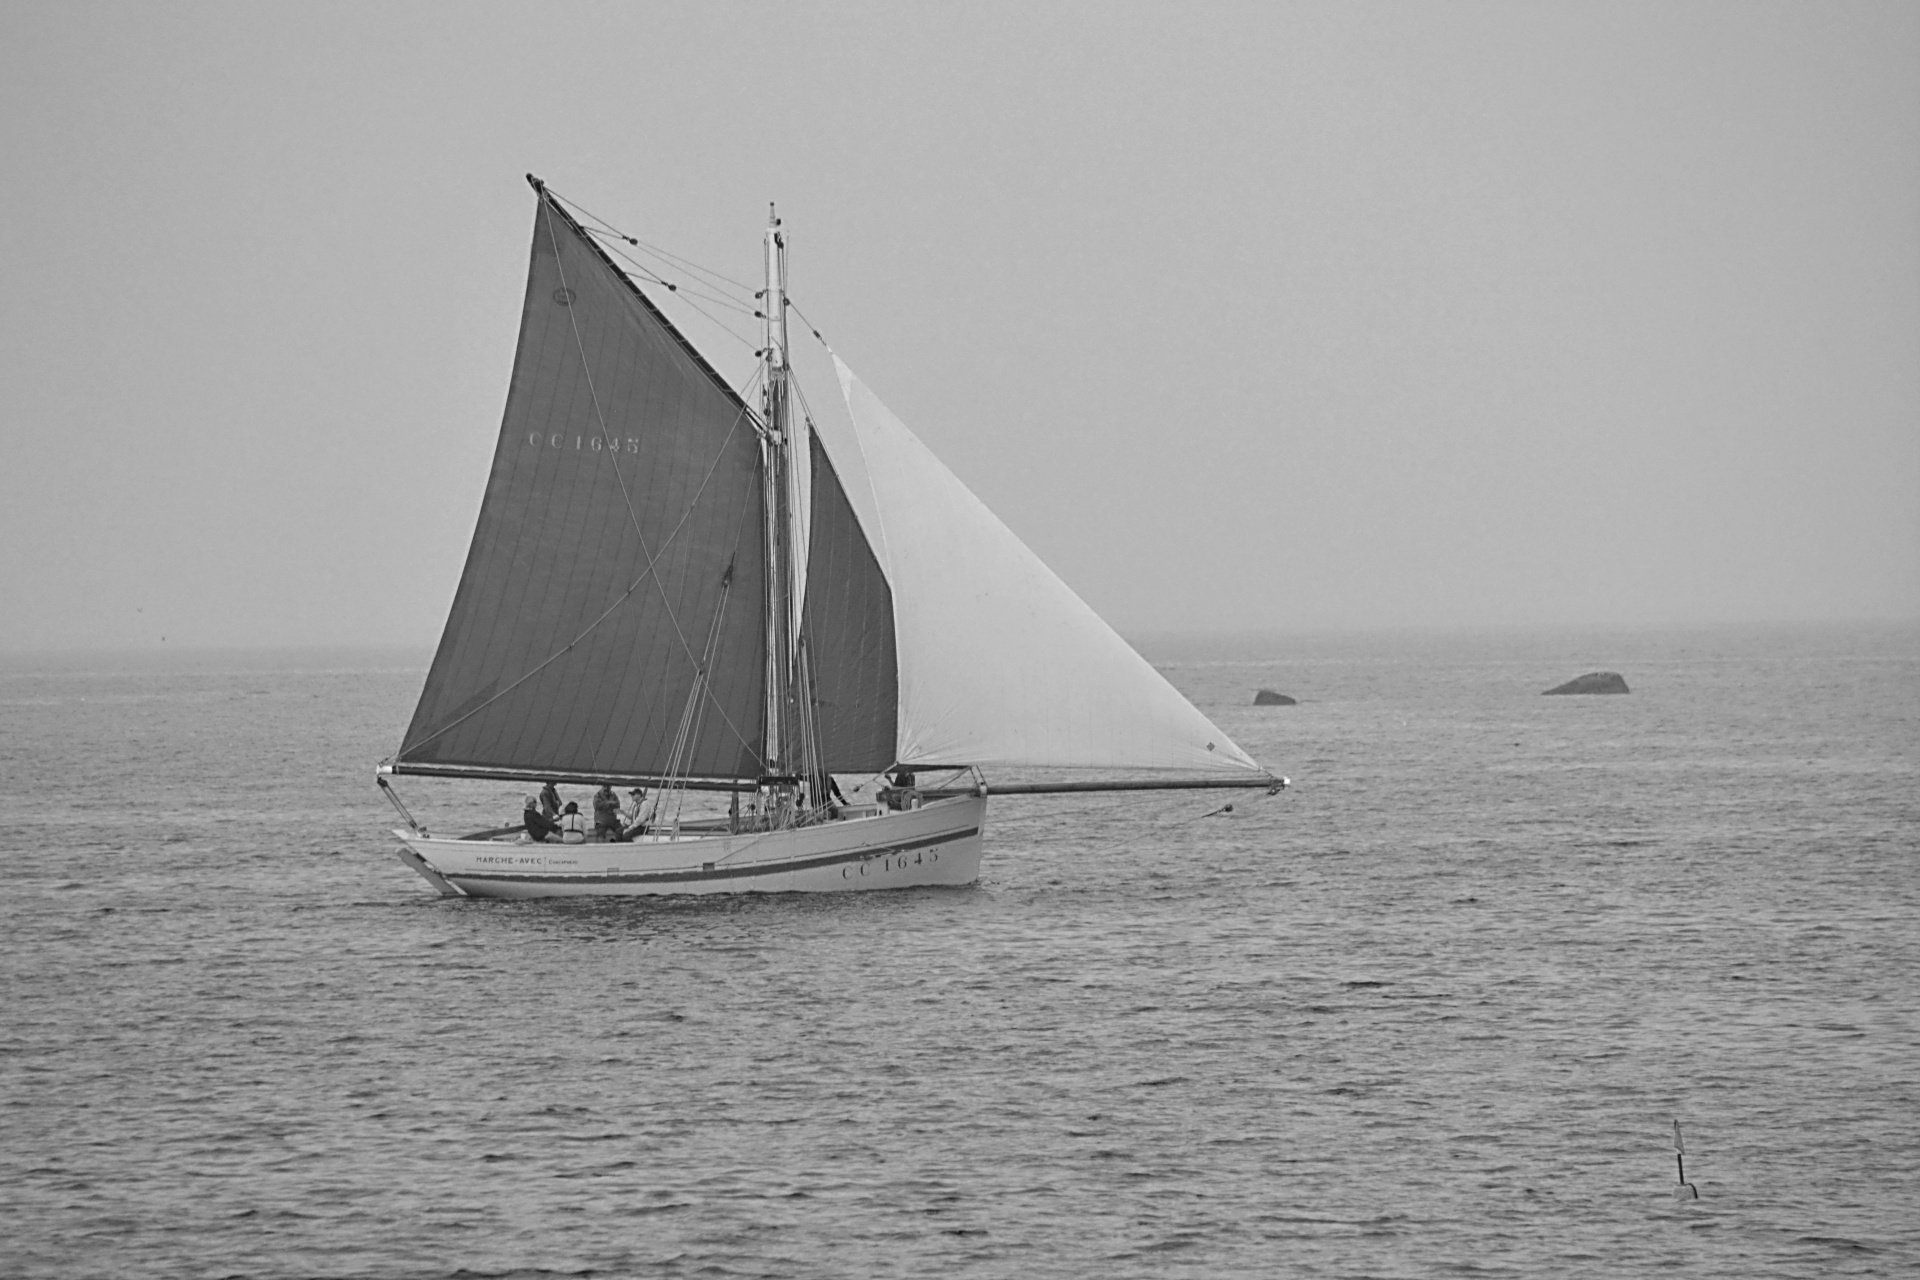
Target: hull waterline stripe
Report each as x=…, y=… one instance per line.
x=717, y=872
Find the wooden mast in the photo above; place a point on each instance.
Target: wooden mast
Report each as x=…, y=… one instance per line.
x=781, y=756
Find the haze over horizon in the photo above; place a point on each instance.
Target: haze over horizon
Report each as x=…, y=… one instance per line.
x=1245, y=317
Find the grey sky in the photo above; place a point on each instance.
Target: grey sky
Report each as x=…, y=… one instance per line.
x=1241, y=315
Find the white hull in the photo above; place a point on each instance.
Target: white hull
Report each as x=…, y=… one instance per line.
x=938, y=844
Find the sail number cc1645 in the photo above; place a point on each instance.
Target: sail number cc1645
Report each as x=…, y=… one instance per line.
x=584, y=444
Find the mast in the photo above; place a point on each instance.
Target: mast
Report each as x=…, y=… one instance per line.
x=781, y=755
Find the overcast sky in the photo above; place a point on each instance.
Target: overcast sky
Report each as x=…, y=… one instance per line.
x=1243, y=316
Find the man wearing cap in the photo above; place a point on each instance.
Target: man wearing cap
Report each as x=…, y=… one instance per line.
x=631, y=823
x=538, y=825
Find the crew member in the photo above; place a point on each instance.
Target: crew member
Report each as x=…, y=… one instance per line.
x=606, y=813
x=632, y=823
x=573, y=826
x=550, y=800
x=538, y=824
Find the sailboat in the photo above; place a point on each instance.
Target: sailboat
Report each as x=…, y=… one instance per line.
x=675, y=589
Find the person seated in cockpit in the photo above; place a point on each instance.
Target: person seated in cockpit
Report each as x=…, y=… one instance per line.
x=632, y=818
x=539, y=826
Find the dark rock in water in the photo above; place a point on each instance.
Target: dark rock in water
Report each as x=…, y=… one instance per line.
x=1268, y=698
x=1594, y=682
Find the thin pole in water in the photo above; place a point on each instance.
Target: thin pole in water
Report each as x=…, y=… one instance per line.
x=1686, y=1190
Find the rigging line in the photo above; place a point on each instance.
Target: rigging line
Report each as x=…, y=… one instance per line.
x=759, y=427
x=806, y=415
x=698, y=288
x=700, y=681
x=803, y=519
x=573, y=320
x=640, y=270
x=678, y=289
x=693, y=716
x=810, y=329
x=683, y=744
x=721, y=325
x=651, y=248
x=806, y=409
x=646, y=571
x=588, y=630
x=633, y=517
x=747, y=513
x=706, y=680
x=706, y=275
x=747, y=386
x=688, y=297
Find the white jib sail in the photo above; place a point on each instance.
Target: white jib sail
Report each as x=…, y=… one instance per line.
x=1000, y=662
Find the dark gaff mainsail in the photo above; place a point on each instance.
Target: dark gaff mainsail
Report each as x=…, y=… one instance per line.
x=612, y=617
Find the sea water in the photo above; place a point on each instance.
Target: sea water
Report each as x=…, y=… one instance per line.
x=1433, y=1011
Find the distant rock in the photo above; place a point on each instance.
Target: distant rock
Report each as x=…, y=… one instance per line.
x=1594, y=682
x=1268, y=698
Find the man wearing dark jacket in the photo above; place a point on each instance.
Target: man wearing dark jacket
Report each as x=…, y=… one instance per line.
x=606, y=813
x=539, y=826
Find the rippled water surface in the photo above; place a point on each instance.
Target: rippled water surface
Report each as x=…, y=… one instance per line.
x=1433, y=1011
